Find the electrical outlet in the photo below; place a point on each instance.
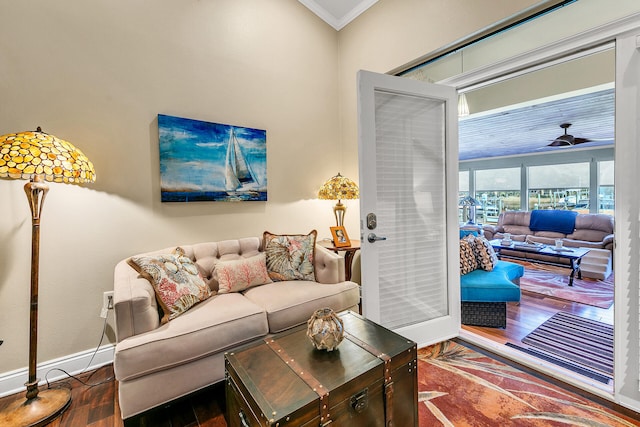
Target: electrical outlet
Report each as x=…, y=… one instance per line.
x=107, y=303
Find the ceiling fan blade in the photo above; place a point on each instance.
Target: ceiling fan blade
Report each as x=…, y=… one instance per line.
x=560, y=143
x=567, y=140
x=563, y=141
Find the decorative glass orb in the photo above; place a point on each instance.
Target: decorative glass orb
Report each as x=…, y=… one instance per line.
x=325, y=329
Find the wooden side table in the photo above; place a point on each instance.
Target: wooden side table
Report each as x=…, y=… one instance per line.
x=349, y=252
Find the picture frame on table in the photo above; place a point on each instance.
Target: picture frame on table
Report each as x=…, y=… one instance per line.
x=340, y=237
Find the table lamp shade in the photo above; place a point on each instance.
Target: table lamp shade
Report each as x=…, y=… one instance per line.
x=338, y=188
x=469, y=204
x=27, y=154
x=469, y=201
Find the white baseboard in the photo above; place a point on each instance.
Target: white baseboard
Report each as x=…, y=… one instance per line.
x=13, y=381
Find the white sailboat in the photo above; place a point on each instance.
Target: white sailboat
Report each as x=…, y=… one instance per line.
x=238, y=173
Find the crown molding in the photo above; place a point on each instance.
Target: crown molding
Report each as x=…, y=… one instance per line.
x=337, y=22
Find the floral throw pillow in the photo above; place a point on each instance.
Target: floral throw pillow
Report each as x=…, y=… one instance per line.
x=175, y=279
x=241, y=274
x=290, y=257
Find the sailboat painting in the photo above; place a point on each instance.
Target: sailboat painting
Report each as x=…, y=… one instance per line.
x=203, y=161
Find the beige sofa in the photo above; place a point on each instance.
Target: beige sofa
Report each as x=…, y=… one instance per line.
x=592, y=231
x=156, y=363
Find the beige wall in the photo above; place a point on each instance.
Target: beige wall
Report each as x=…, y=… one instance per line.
x=97, y=73
x=583, y=73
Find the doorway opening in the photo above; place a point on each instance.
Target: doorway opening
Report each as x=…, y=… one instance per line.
x=514, y=157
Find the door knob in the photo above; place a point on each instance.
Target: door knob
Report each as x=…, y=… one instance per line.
x=372, y=238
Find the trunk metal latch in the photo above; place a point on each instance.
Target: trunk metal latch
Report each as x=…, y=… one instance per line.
x=360, y=401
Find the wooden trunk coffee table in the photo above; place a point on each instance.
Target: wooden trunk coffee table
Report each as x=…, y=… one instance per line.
x=369, y=380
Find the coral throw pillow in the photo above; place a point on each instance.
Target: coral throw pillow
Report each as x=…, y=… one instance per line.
x=290, y=256
x=241, y=274
x=176, y=280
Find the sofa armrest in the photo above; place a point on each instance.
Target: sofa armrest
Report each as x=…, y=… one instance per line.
x=607, y=242
x=329, y=266
x=489, y=231
x=134, y=303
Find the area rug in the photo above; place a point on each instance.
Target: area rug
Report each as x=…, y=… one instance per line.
x=563, y=363
x=579, y=340
x=553, y=282
x=458, y=386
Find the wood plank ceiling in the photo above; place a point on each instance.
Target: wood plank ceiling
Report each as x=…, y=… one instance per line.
x=529, y=129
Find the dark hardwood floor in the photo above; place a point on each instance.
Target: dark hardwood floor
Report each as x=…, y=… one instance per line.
x=98, y=405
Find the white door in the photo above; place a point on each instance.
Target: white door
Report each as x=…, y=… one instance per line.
x=408, y=201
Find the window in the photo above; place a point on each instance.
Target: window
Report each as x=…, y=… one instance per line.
x=463, y=191
x=559, y=186
x=605, y=188
x=498, y=190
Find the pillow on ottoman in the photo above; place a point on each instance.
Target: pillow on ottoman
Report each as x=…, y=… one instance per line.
x=290, y=256
x=486, y=256
x=468, y=261
x=176, y=281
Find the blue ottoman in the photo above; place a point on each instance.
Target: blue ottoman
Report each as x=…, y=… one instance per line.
x=484, y=294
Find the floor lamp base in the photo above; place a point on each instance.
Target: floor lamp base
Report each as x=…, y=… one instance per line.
x=37, y=411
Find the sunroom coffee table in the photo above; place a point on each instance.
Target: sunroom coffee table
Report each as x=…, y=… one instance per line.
x=369, y=380
x=574, y=255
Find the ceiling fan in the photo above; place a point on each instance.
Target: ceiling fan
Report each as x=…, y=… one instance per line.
x=567, y=140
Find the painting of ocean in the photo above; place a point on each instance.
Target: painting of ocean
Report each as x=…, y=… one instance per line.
x=203, y=161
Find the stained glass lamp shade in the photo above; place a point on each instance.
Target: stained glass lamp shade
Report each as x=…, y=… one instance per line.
x=34, y=153
x=339, y=188
x=38, y=157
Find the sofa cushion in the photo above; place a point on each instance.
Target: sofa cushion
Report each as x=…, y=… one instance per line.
x=588, y=235
x=515, y=218
x=290, y=256
x=549, y=235
x=593, y=228
x=217, y=324
x=241, y=274
x=176, y=281
x=583, y=244
x=495, y=285
x=601, y=222
x=514, y=222
x=468, y=260
x=298, y=300
x=517, y=230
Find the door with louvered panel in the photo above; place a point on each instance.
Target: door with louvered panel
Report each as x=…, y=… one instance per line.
x=408, y=206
